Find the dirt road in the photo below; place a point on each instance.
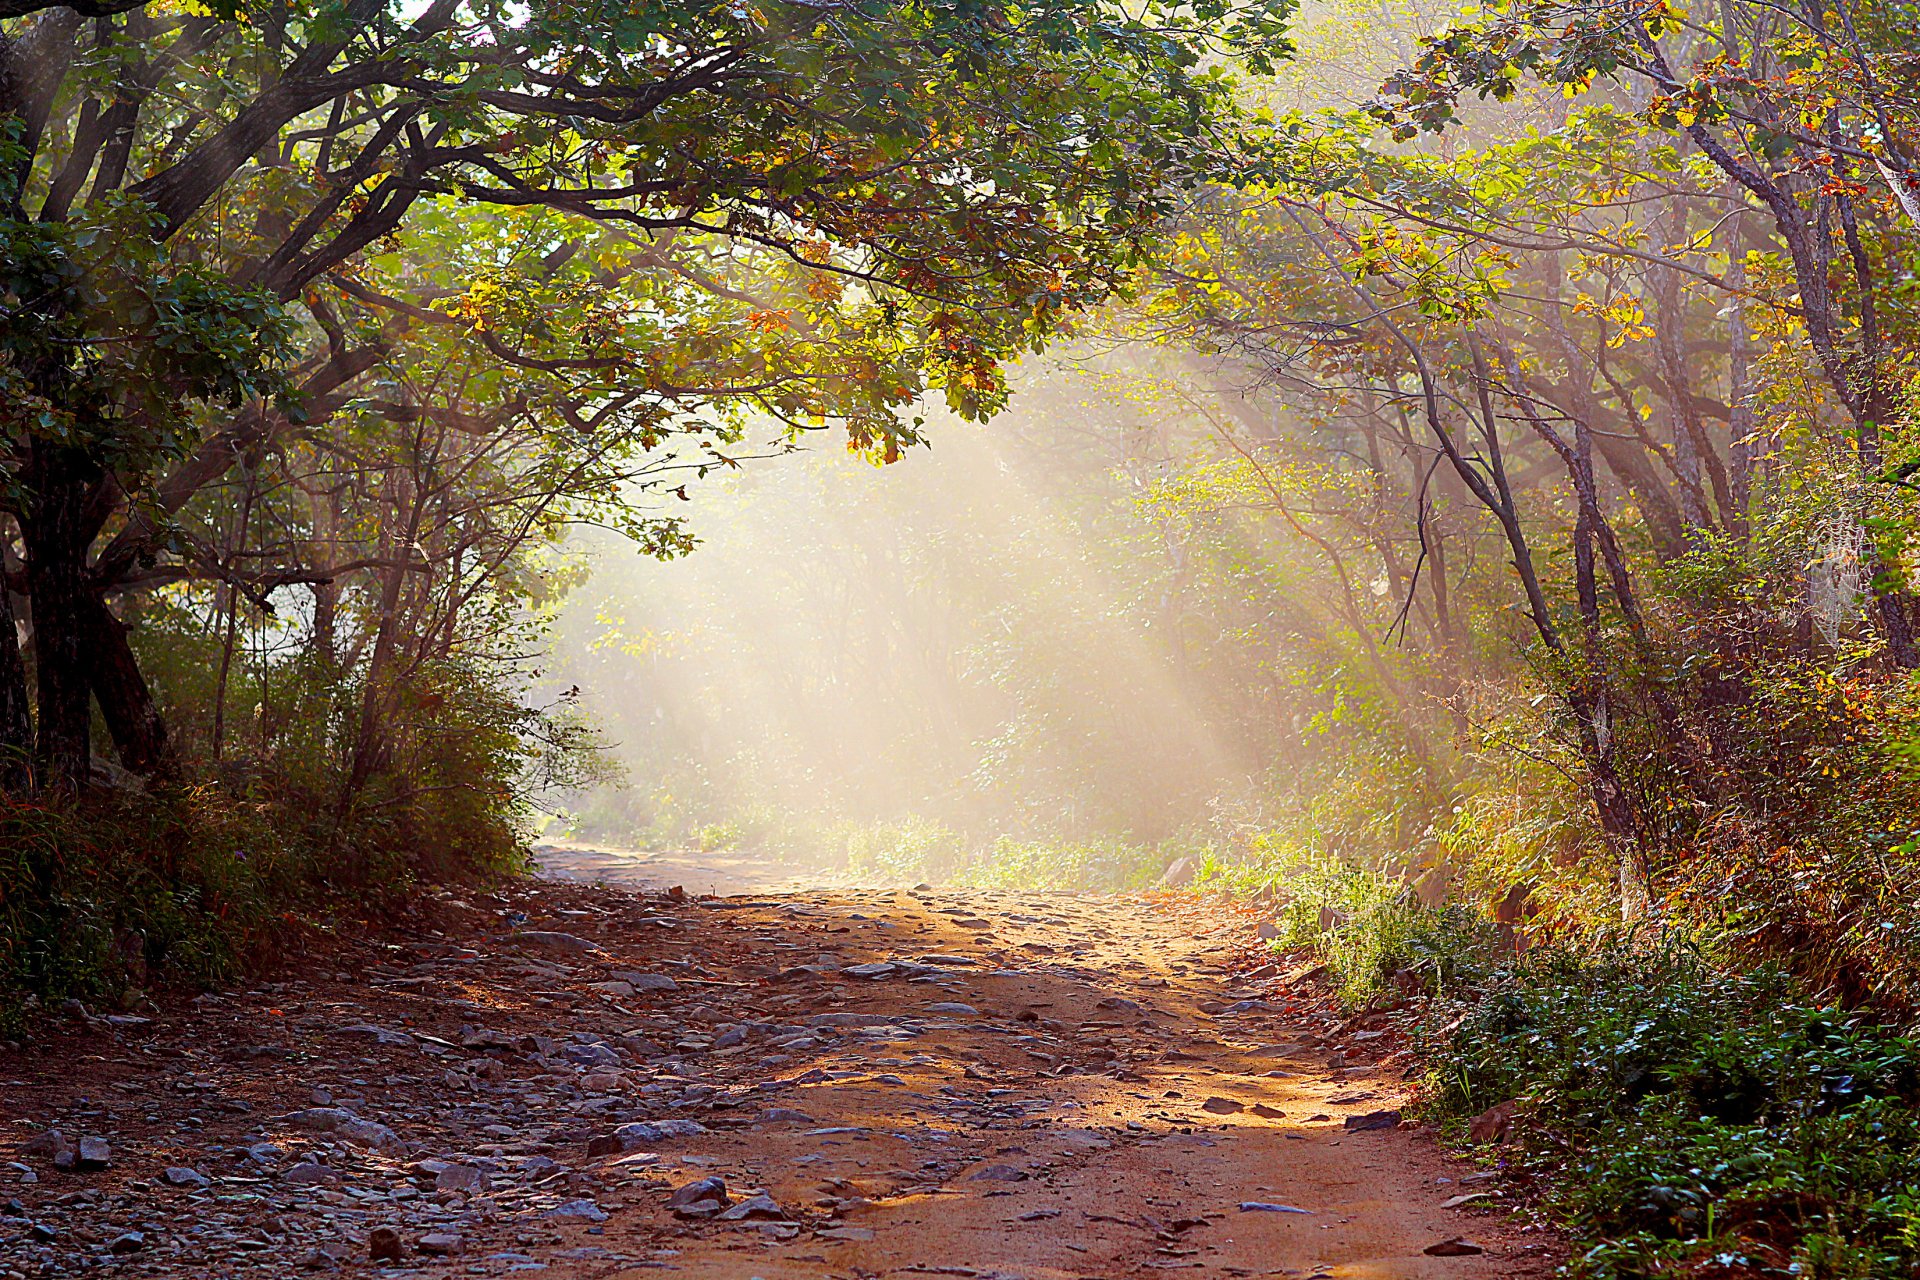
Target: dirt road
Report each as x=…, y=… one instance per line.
x=598, y=1082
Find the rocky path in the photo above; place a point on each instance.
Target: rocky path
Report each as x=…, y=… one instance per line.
x=590, y=1081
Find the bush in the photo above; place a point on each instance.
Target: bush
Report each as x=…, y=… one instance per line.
x=1680, y=1114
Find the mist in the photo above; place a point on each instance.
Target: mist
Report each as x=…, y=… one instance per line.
x=997, y=634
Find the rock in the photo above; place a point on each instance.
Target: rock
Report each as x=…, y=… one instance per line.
x=784, y=1115
x=309, y=1174
x=1219, y=1106
x=643, y=982
x=954, y=1009
x=380, y=1035
x=383, y=1245
x=1373, y=1120
x=849, y=1020
x=339, y=1120
x=441, y=1244
x=1267, y=931
x=1495, y=1124
x=1454, y=1248
x=1179, y=873
x=591, y=1055
x=45, y=1143
x=703, y=1198
x=619, y=990
x=566, y=943
x=1266, y=1112
x=847, y=1235
x=1263, y=1206
x=1001, y=1173
x=578, y=1210
x=1458, y=1202
x=877, y=970
x=93, y=1153
x=645, y=1133
x=945, y=961
x=127, y=1242
x=464, y=1179
x=760, y=1206
x=180, y=1176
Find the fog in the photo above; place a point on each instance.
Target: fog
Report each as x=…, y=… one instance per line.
x=995, y=633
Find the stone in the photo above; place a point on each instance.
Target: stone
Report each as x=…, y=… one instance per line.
x=1216, y=1105
x=383, y=1245
x=644, y=982
x=350, y=1127
x=953, y=1009
x=702, y=1198
x=1461, y=1201
x=847, y=1235
x=180, y=1176
x=784, y=1115
x=1454, y=1248
x=441, y=1244
x=1266, y=931
x=619, y=990
x=591, y=1055
x=1373, y=1120
x=871, y=971
x=849, y=1020
x=309, y=1174
x=760, y=1206
x=381, y=1035
x=578, y=1210
x=1179, y=873
x=464, y=1179
x=1264, y=1206
x=1001, y=1173
x=645, y=1133
x=93, y=1153
x=1495, y=1124
x=566, y=943
x=127, y=1242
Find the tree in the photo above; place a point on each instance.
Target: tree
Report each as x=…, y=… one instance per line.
x=214, y=231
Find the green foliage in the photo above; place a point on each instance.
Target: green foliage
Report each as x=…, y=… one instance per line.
x=1100, y=865
x=1680, y=1112
x=1369, y=928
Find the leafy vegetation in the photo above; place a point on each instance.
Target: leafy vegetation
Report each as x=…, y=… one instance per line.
x=1684, y=1116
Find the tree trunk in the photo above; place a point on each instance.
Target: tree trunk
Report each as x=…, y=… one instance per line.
x=54, y=530
x=16, y=718
x=126, y=702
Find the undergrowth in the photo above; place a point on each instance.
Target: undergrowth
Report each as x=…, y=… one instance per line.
x=1685, y=1117
x=109, y=897
x=1682, y=1118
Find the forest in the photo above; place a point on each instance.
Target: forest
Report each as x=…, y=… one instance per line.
x=1437, y=483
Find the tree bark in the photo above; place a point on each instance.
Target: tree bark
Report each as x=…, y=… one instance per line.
x=16, y=717
x=126, y=702
x=54, y=530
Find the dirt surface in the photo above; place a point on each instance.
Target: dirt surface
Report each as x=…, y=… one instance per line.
x=885, y=1084
x=727, y=871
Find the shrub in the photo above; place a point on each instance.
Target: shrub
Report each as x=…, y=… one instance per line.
x=1680, y=1113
